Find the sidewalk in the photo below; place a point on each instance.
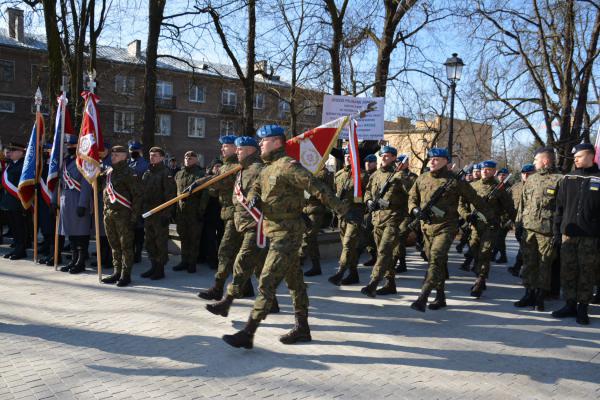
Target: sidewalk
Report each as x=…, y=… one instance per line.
x=65, y=336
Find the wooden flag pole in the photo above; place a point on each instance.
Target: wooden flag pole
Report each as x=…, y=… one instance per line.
x=187, y=194
x=63, y=106
x=38, y=105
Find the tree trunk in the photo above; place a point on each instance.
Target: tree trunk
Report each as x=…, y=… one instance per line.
x=55, y=67
x=249, y=79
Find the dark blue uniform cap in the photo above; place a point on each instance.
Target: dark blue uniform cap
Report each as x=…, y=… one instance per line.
x=227, y=139
x=388, y=149
x=438, y=152
x=489, y=164
x=134, y=145
x=371, y=158
x=582, y=147
x=246, y=141
x=527, y=168
x=270, y=131
x=503, y=171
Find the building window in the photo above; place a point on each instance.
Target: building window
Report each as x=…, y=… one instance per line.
x=196, y=127
x=309, y=108
x=228, y=97
x=7, y=106
x=164, y=90
x=7, y=71
x=163, y=124
x=124, y=84
x=124, y=121
x=197, y=94
x=227, y=127
x=259, y=101
x=284, y=108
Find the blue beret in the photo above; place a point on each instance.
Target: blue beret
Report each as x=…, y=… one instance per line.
x=546, y=149
x=528, y=168
x=388, y=149
x=371, y=158
x=227, y=139
x=135, y=145
x=503, y=171
x=246, y=141
x=470, y=169
x=70, y=139
x=402, y=158
x=582, y=147
x=270, y=131
x=438, y=152
x=488, y=164
x=476, y=167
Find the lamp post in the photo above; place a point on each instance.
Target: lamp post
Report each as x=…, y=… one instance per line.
x=454, y=66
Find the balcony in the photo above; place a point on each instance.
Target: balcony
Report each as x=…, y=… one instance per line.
x=166, y=103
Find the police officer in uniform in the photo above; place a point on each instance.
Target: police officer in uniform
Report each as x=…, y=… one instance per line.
x=278, y=192
x=11, y=203
x=122, y=196
x=139, y=165
x=577, y=227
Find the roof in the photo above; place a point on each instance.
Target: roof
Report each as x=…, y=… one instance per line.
x=121, y=55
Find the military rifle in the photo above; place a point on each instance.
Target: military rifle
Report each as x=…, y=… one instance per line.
x=378, y=200
x=475, y=215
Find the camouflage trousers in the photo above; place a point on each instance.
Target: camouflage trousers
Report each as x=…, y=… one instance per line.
x=188, y=229
x=228, y=249
x=310, y=244
x=250, y=258
x=349, y=236
x=538, y=256
x=579, y=267
x=119, y=232
x=386, y=238
x=367, y=240
x=156, y=238
x=400, y=250
x=437, y=242
x=282, y=262
x=482, y=248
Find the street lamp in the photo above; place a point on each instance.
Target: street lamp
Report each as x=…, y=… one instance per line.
x=454, y=66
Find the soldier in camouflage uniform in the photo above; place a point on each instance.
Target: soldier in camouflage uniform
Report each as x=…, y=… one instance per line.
x=189, y=212
x=408, y=179
x=314, y=213
x=386, y=199
x=139, y=165
x=122, y=206
x=536, y=211
x=158, y=186
x=516, y=190
x=349, y=233
x=232, y=239
x=500, y=204
x=439, y=230
x=367, y=239
x=280, y=188
x=503, y=229
x=251, y=256
x=577, y=226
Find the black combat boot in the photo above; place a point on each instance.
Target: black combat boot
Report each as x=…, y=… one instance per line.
x=371, y=261
x=478, y=287
x=79, y=266
x=502, y=259
x=221, y=307
x=388, y=288
x=569, y=310
x=401, y=265
x=528, y=300
x=248, y=290
x=159, y=272
x=125, y=279
x=596, y=299
x=421, y=303
x=316, y=268
x=299, y=333
x=182, y=266
x=213, y=293
x=274, y=306
x=351, y=278
x=150, y=272
x=466, y=265
x=336, y=278
x=74, y=257
x=515, y=270
x=116, y=275
x=440, y=299
x=460, y=247
x=191, y=268
x=582, y=314
x=540, y=296
x=245, y=337
x=370, y=290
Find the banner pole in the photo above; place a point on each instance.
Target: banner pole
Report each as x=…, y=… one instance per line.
x=38, y=138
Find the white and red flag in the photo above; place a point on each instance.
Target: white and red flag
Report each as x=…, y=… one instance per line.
x=312, y=148
x=90, y=139
x=354, y=159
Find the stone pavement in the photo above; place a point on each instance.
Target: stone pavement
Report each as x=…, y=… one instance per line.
x=65, y=336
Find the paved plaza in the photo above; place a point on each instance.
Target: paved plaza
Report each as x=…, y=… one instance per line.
x=65, y=336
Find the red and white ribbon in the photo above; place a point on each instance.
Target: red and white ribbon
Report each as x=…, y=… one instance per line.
x=46, y=195
x=113, y=195
x=10, y=188
x=256, y=214
x=71, y=183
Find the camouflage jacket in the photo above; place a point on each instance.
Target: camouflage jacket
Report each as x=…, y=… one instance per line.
x=408, y=179
x=196, y=203
x=313, y=205
x=281, y=187
x=127, y=184
x=158, y=186
x=395, y=197
x=538, y=201
x=224, y=188
x=500, y=204
x=344, y=186
x=245, y=179
x=426, y=185
x=515, y=192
